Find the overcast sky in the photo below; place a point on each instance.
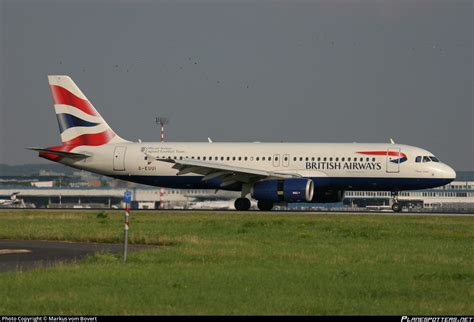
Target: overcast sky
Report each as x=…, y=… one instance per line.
x=312, y=71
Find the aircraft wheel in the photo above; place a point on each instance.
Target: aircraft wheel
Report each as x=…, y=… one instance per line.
x=242, y=204
x=265, y=205
x=396, y=207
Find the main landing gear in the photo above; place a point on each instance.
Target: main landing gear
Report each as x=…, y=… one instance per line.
x=243, y=204
x=265, y=205
x=395, y=204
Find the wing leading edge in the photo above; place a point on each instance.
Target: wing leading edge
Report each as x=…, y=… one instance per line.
x=227, y=173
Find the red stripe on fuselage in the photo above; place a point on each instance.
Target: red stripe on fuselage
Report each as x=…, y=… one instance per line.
x=391, y=153
x=63, y=96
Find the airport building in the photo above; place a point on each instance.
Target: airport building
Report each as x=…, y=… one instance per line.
x=84, y=190
x=458, y=196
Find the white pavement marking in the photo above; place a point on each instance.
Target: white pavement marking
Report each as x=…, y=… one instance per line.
x=14, y=251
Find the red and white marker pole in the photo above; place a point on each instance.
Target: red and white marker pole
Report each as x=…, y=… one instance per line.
x=162, y=191
x=127, y=226
x=162, y=121
x=127, y=201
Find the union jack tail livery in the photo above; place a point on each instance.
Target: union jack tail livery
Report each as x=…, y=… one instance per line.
x=79, y=122
x=80, y=125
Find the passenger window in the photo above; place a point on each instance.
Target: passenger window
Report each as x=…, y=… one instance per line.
x=233, y=158
x=228, y=158
x=257, y=158
x=204, y=158
x=330, y=159
x=294, y=159
x=342, y=159
x=373, y=159
x=324, y=159
x=319, y=158
x=263, y=158
x=306, y=159
x=269, y=158
x=245, y=158
x=240, y=158
x=348, y=159
x=368, y=159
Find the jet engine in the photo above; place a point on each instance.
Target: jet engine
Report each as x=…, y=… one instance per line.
x=289, y=190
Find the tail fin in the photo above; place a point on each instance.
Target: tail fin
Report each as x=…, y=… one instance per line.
x=79, y=122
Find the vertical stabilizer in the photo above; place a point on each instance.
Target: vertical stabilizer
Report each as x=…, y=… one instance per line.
x=79, y=122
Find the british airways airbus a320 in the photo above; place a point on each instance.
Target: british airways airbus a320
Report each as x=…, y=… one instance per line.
x=271, y=173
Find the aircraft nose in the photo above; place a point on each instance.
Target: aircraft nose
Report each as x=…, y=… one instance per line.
x=450, y=173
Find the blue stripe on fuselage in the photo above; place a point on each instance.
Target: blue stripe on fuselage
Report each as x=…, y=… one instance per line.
x=321, y=183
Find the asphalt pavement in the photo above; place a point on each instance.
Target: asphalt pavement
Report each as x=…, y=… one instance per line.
x=29, y=254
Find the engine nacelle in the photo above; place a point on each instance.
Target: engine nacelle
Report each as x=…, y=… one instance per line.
x=327, y=196
x=289, y=190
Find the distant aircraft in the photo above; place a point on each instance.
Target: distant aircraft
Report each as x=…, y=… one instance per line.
x=271, y=173
x=12, y=201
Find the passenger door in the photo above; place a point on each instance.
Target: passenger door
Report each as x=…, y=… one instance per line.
x=393, y=160
x=119, y=158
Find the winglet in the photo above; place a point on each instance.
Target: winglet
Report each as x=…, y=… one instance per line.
x=209, y=139
x=391, y=141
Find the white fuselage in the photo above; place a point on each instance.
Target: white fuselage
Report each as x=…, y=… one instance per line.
x=337, y=166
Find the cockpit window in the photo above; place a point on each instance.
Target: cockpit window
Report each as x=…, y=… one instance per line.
x=426, y=159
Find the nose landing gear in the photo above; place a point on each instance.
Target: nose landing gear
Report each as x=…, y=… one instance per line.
x=396, y=207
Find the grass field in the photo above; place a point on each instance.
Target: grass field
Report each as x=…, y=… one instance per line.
x=235, y=263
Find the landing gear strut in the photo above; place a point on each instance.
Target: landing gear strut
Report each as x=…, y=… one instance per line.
x=242, y=204
x=395, y=205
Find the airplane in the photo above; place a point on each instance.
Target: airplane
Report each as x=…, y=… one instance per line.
x=271, y=173
x=12, y=201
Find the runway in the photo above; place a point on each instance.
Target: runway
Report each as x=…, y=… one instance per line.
x=318, y=212
x=23, y=255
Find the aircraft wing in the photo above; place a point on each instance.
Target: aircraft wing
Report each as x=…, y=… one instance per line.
x=229, y=174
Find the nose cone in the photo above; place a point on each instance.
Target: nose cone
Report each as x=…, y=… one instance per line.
x=446, y=172
x=450, y=173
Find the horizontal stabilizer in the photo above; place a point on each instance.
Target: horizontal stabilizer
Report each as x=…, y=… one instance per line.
x=71, y=155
